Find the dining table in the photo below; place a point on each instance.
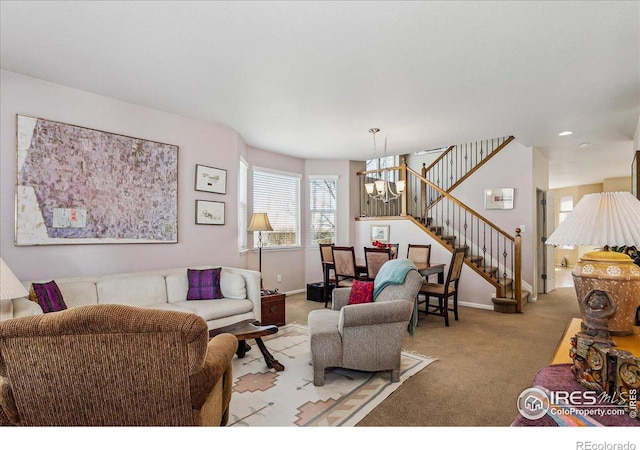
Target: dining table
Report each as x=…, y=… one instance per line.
x=425, y=269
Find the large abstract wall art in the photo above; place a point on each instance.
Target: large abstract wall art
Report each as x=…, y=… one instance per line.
x=78, y=185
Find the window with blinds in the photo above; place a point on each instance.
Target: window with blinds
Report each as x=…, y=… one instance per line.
x=242, y=205
x=322, y=209
x=278, y=194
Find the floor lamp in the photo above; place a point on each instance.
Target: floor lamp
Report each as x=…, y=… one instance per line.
x=260, y=223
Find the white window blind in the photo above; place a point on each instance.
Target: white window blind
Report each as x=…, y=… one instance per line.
x=322, y=210
x=242, y=205
x=278, y=195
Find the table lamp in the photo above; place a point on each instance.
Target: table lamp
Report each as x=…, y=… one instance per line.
x=607, y=282
x=10, y=287
x=260, y=223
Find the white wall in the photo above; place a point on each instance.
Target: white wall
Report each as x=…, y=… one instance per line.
x=512, y=167
x=289, y=263
x=199, y=143
x=343, y=170
x=474, y=290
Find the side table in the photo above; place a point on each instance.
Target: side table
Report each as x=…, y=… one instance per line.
x=273, y=309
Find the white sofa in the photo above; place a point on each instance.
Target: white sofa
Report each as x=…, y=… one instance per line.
x=159, y=289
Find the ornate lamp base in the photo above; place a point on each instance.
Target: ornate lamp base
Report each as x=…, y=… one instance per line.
x=610, y=275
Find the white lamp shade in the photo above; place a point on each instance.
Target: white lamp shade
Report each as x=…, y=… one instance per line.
x=380, y=186
x=369, y=188
x=10, y=286
x=400, y=185
x=606, y=218
x=260, y=222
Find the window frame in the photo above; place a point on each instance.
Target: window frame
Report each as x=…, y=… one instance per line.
x=310, y=211
x=294, y=176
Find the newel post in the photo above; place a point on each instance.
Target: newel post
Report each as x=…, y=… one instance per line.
x=403, y=197
x=518, y=269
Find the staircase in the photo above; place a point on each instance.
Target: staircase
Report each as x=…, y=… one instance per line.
x=506, y=303
x=491, y=252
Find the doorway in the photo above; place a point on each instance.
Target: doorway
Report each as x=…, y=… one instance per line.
x=545, y=218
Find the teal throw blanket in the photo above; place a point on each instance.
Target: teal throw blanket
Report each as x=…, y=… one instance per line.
x=392, y=272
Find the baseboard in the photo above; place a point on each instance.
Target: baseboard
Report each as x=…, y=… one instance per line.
x=476, y=305
x=296, y=291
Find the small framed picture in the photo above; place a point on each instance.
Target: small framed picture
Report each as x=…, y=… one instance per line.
x=380, y=233
x=498, y=198
x=210, y=179
x=209, y=213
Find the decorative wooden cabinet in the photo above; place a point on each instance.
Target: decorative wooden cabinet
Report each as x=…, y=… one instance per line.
x=273, y=309
x=635, y=175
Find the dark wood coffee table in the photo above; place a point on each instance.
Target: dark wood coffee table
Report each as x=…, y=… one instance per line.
x=251, y=329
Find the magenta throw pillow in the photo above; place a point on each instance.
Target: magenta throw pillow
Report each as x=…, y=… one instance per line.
x=361, y=292
x=204, y=284
x=49, y=297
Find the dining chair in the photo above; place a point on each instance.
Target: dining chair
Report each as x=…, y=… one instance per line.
x=344, y=264
x=395, y=248
x=374, y=259
x=419, y=253
x=444, y=291
x=326, y=255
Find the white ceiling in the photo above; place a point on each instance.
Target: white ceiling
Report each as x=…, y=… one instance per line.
x=308, y=79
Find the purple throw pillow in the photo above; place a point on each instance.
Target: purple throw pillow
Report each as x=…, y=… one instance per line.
x=49, y=296
x=204, y=284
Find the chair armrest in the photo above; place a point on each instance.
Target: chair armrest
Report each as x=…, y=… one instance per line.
x=217, y=362
x=340, y=298
x=375, y=313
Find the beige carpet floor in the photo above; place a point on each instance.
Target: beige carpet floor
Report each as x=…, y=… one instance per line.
x=484, y=361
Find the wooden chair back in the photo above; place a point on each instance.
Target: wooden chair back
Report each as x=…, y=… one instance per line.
x=374, y=259
x=326, y=254
x=344, y=260
x=418, y=253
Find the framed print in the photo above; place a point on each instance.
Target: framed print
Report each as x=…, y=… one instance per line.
x=498, y=198
x=210, y=179
x=78, y=185
x=209, y=213
x=380, y=233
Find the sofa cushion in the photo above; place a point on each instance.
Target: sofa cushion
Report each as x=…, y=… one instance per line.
x=48, y=296
x=204, y=284
x=135, y=289
x=78, y=293
x=217, y=309
x=232, y=285
x=169, y=307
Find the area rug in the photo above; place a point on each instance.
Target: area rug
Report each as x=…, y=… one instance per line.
x=263, y=397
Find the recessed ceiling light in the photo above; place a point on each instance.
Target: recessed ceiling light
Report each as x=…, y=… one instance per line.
x=565, y=133
x=585, y=144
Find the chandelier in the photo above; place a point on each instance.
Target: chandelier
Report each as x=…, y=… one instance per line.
x=381, y=189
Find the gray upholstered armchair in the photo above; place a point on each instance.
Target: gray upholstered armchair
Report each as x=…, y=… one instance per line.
x=367, y=336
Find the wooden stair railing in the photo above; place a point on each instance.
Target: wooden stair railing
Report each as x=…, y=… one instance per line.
x=490, y=251
x=458, y=163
